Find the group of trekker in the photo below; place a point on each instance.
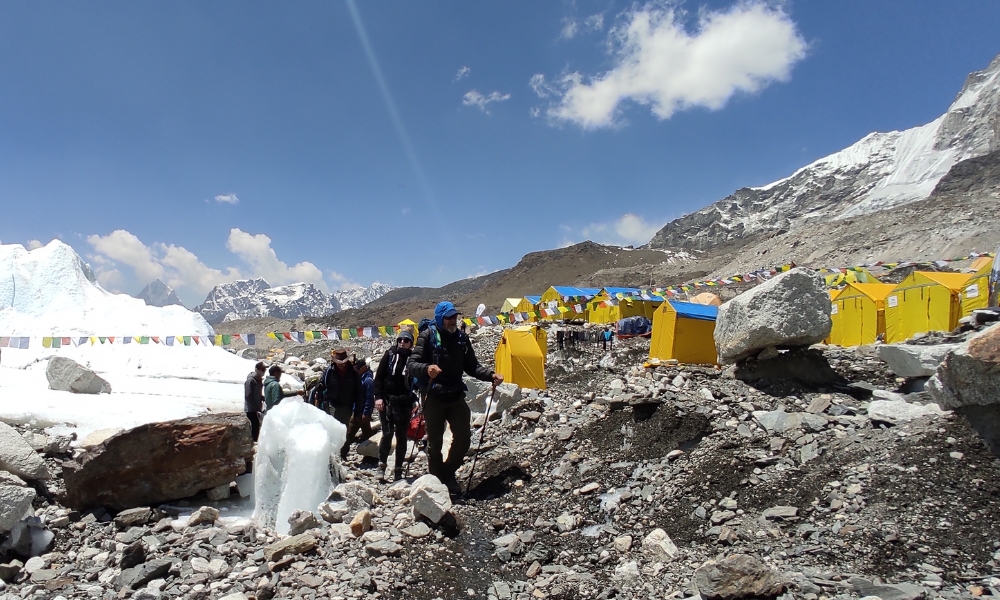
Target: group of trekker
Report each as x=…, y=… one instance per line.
x=423, y=373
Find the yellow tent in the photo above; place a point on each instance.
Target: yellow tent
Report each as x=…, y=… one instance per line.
x=708, y=299
x=684, y=331
x=528, y=304
x=625, y=306
x=510, y=305
x=859, y=275
x=976, y=293
x=553, y=299
x=520, y=356
x=924, y=301
x=858, y=313
x=408, y=324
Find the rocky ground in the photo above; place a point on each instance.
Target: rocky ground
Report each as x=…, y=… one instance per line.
x=619, y=481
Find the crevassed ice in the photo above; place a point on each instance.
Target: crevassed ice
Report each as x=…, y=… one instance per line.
x=296, y=459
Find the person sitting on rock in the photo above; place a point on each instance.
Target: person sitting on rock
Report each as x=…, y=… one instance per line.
x=253, y=398
x=273, y=393
x=344, y=395
x=394, y=402
x=441, y=355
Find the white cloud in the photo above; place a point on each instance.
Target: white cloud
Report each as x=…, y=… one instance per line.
x=125, y=248
x=256, y=251
x=658, y=62
x=474, y=98
x=35, y=244
x=187, y=271
x=227, y=199
x=594, y=22
x=569, y=29
x=110, y=279
x=627, y=230
x=339, y=281
x=541, y=87
x=462, y=73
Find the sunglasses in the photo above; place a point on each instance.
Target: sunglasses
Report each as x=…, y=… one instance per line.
x=404, y=341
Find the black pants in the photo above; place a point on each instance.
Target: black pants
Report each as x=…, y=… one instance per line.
x=395, y=423
x=455, y=413
x=343, y=414
x=254, y=424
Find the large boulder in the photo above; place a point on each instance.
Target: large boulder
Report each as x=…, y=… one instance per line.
x=158, y=462
x=907, y=360
x=737, y=576
x=14, y=504
x=967, y=382
x=18, y=457
x=70, y=376
x=790, y=310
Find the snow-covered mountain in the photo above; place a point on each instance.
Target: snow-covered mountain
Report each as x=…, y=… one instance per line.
x=158, y=293
x=250, y=298
x=358, y=297
x=880, y=171
x=51, y=291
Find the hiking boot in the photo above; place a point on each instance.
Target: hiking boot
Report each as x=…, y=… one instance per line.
x=381, y=472
x=397, y=474
x=448, y=479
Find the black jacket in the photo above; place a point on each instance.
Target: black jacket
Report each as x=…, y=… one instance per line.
x=344, y=390
x=253, y=394
x=389, y=386
x=455, y=356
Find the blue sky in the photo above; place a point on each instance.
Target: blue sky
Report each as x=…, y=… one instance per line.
x=418, y=143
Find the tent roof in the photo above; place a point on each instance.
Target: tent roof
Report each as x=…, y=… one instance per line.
x=621, y=290
x=533, y=299
x=575, y=291
x=695, y=311
x=952, y=281
x=875, y=291
x=407, y=322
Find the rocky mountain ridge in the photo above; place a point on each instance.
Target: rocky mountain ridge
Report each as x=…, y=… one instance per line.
x=254, y=298
x=879, y=172
x=158, y=293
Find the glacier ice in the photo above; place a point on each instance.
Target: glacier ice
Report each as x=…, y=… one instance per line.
x=298, y=445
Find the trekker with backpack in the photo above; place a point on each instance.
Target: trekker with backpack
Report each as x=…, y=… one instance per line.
x=344, y=396
x=441, y=355
x=273, y=393
x=394, y=402
x=364, y=425
x=253, y=398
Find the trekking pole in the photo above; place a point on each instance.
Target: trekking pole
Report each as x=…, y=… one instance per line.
x=482, y=434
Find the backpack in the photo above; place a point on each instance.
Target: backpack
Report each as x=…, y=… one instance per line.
x=316, y=392
x=420, y=384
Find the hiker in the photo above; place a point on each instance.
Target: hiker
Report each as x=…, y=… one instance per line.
x=394, y=403
x=253, y=398
x=560, y=337
x=441, y=355
x=364, y=424
x=344, y=397
x=606, y=336
x=273, y=394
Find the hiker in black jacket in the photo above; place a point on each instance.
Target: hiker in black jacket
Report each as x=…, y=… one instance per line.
x=253, y=398
x=394, y=402
x=344, y=397
x=440, y=357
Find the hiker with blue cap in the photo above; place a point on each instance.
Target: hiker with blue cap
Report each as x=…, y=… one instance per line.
x=441, y=355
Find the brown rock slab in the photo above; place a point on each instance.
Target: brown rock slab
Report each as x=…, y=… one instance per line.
x=737, y=576
x=158, y=462
x=296, y=544
x=361, y=523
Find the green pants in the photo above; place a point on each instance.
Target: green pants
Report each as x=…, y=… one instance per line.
x=456, y=414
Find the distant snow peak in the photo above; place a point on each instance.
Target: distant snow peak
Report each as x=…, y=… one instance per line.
x=158, y=293
x=358, y=297
x=880, y=171
x=251, y=298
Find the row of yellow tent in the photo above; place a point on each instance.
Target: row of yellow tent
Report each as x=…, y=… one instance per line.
x=924, y=301
x=600, y=306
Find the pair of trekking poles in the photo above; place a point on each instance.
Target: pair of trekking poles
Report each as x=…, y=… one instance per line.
x=479, y=446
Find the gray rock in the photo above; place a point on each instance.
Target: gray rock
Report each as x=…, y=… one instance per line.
x=507, y=395
x=898, y=591
x=68, y=375
x=429, y=498
x=737, y=576
x=417, y=530
x=205, y=514
x=792, y=309
x=140, y=575
x=658, y=546
x=219, y=492
x=133, y=517
x=9, y=571
x=384, y=548
x=18, y=457
x=780, y=512
x=14, y=504
x=133, y=554
x=334, y=512
x=908, y=360
x=778, y=421
x=301, y=521
x=897, y=412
